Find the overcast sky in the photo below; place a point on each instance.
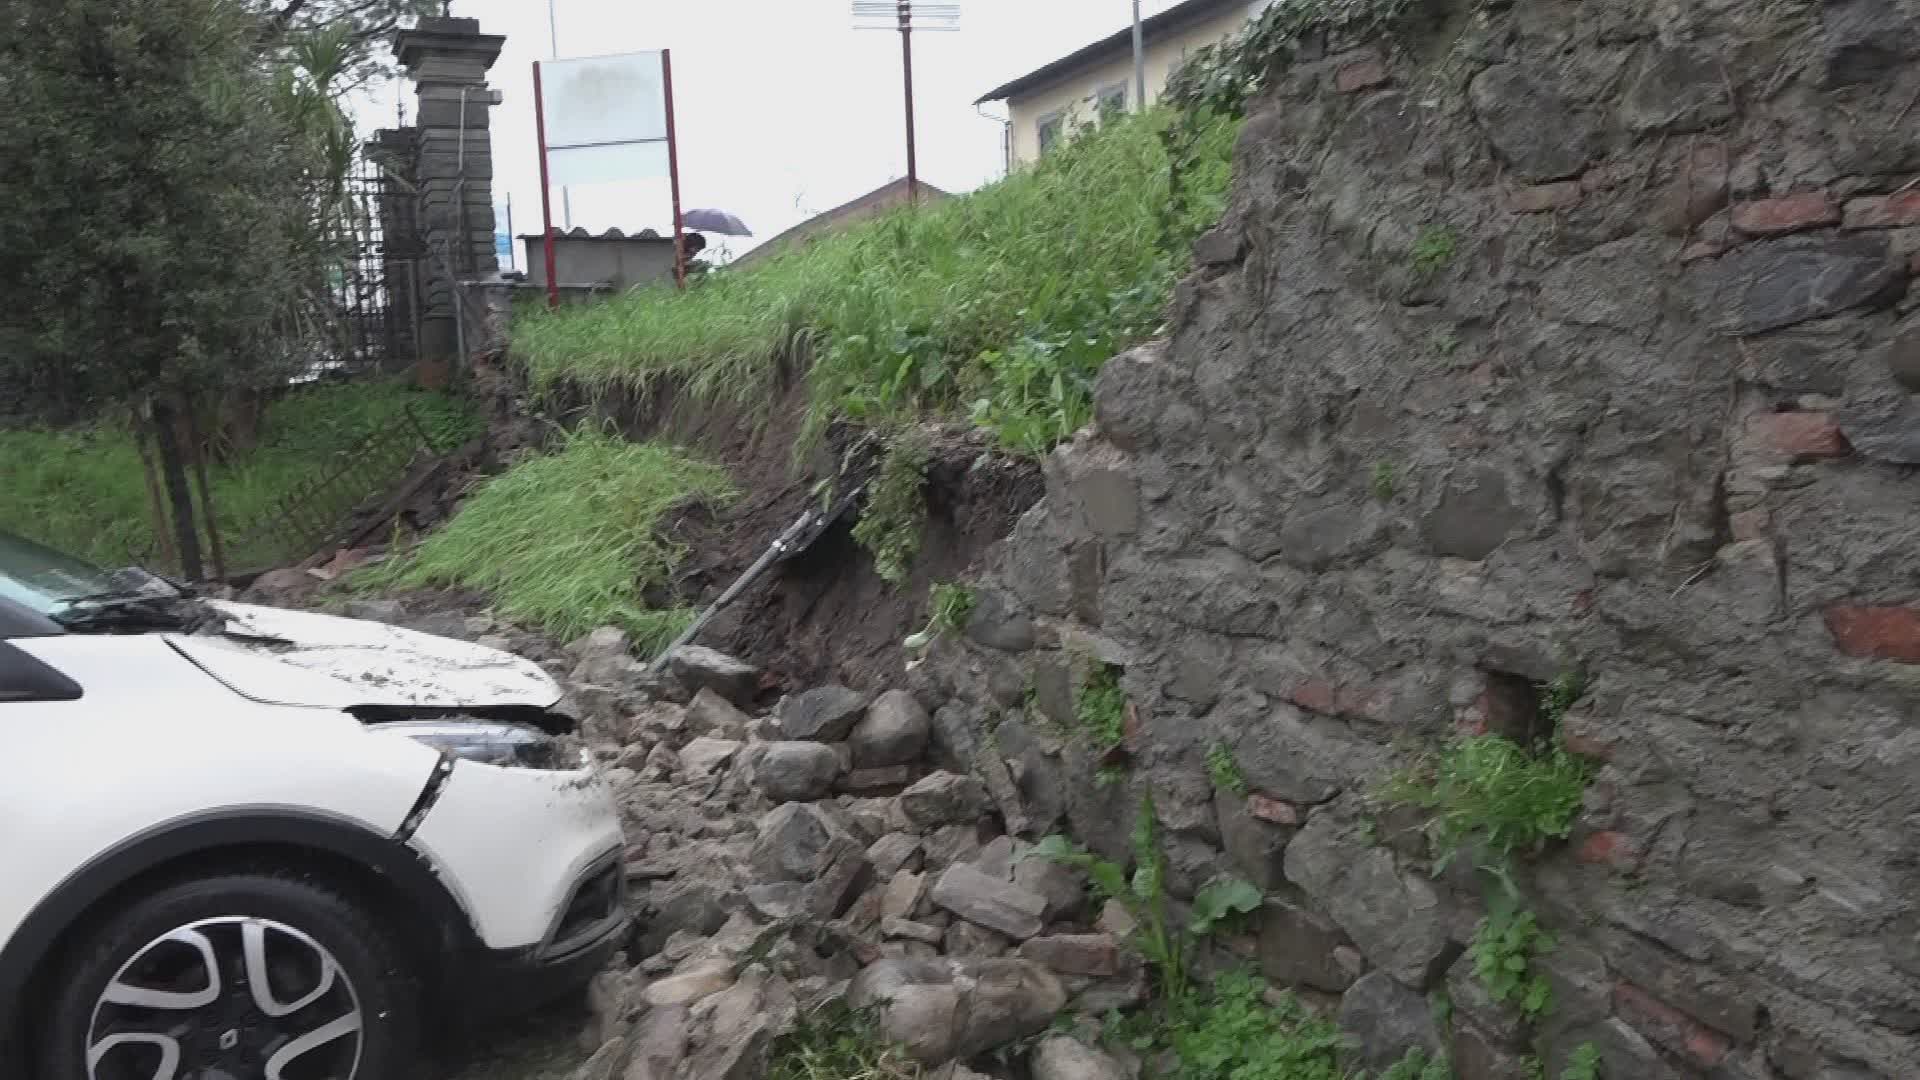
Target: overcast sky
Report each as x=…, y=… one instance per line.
x=783, y=109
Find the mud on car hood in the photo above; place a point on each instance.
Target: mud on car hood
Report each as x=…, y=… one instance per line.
x=285, y=657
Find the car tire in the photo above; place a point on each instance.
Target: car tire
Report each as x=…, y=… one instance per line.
x=247, y=975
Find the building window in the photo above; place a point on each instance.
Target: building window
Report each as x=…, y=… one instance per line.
x=1052, y=126
x=1110, y=101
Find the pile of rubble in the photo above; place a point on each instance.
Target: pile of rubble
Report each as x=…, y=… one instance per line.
x=781, y=863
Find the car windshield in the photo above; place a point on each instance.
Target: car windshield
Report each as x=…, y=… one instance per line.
x=46, y=580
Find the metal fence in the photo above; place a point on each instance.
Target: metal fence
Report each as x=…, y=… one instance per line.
x=370, y=317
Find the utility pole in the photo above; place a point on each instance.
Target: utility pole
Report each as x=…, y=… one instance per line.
x=553, y=45
x=906, y=16
x=1139, y=62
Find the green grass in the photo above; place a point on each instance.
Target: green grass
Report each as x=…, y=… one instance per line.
x=84, y=490
x=1489, y=790
x=1225, y=771
x=569, y=541
x=839, y=1043
x=1001, y=305
x=1101, y=707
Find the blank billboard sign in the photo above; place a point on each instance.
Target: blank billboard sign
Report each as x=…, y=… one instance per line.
x=606, y=118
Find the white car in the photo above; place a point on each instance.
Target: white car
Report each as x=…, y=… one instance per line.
x=241, y=842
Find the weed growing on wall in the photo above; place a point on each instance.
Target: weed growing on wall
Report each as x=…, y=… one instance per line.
x=1583, y=1063
x=1225, y=771
x=1101, y=708
x=896, y=511
x=1489, y=791
x=1504, y=949
x=1433, y=250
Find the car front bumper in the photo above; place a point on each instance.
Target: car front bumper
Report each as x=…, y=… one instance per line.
x=533, y=856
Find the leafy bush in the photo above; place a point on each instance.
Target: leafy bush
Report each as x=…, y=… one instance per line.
x=896, y=511
x=568, y=541
x=952, y=607
x=1488, y=790
x=1504, y=949
x=1001, y=304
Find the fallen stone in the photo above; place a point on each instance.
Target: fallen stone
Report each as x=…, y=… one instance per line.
x=659, y=1044
x=1115, y=919
x=1094, y=955
x=846, y=875
x=796, y=771
x=894, y=731
x=966, y=939
x=693, y=906
x=942, y=798
x=701, y=981
x=710, y=714
x=1059, y=1057
x=1396, y=919
x=903, y=895
x=941, y=1010
x=1386, y=1019
x=699, y=668
x=777, y=900
x=1060, y=886
x=604, y=1062
x=794, y=842
x=744, y=1021
x=825, y=715
x=890, y=780
x=915, y=931
x=894, y=852
x=700, y=758
x=997, y=905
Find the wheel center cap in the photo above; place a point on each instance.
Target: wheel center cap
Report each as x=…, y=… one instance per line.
x=230, y=1038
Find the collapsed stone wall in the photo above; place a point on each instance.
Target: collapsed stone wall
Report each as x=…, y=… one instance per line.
x=1562, y=336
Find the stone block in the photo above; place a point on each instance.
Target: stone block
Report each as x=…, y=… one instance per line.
x=1776, y=284
x=1543, y=198
x=1787, y=214
x=1669, y=1027
x=1896, y=211
x=1091, y=955
x=1396, y=919
x=827, y=714
x=989, y=902
x=1300, y=948
x=1885, y=632
x=1385, y=1019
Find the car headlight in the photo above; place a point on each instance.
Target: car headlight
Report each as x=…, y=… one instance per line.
x=514, y=745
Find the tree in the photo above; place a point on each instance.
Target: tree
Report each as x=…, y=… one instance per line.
x=153, y=209
x=362, y=25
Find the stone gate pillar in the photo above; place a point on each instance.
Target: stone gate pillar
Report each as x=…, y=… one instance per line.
x=448, y=60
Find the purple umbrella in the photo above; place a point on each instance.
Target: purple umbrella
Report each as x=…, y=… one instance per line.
x=715, y=221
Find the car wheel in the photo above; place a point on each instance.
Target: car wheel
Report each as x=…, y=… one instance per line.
x=241, y=977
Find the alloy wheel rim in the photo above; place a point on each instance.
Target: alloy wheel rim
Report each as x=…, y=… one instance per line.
x=228, y=998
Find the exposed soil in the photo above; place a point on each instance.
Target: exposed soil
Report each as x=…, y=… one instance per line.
x=823, y=615
x=820, y=616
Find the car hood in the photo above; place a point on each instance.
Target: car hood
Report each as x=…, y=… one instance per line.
x=305, y=658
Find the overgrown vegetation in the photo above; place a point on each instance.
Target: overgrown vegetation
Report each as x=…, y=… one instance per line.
x=1488, y=791
x=839, y=1043
x=82, y=490
x=1383, y=481
x=895, y=515
x=1225, y=771
x=1000, y=305
x=1504, y=949
x=952, y=607
x=570, y=540
x=1222, y=78
x=1101, y=707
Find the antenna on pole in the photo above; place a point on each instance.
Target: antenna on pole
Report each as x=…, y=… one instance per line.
x=906, y=16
